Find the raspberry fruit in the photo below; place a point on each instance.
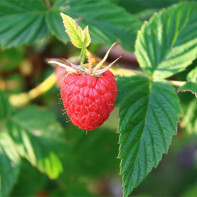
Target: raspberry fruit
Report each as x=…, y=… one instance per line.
x=89, y=100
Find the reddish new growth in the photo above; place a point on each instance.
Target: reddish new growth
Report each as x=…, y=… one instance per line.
x=87, y=99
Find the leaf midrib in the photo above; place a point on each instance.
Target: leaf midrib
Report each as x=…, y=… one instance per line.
x=150, y=87
x=170, y=47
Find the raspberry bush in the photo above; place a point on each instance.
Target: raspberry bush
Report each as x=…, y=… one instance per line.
x=145, y=106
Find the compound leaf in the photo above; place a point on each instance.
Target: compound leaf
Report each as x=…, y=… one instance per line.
x=148, y=112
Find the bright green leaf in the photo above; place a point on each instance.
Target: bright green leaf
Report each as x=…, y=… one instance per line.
x=9, y=164
x=35, y=132
x=107, y=24
x=189, y=119
x=192, y=76
x=148, y=112
x=22, y=22
x=189, y=86
x=167, y=44
x=86, y=37
x=73, y=30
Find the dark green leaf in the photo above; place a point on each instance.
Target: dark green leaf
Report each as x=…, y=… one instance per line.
x=107, y=24
x=148, y=112
x=189, y=86
x=5, y=107
x=167, y=44
x=9, y=164
x=22, y=22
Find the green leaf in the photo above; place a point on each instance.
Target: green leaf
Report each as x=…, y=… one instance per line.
x=192, y=76
x=189, y=118
x=5, y=107
x=73, y=30
x=107, y=24
x=189, y=86
x=22, y=22
x=35, y=132
x=9, y=164
x=86, y=35
x=148, y=112
x=143, y=9
x=167, y=44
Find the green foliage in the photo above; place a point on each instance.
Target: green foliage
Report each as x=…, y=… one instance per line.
x=167, y=44
x=9, y=164
x=107, y=25
x=5, y=108
x=192, y=75
x=22, y=22
x=148, y=112
x=191, y=85
x=34, y=135
x=148, y=106
x=144, y=8
x=189, y=117
x=75, y=33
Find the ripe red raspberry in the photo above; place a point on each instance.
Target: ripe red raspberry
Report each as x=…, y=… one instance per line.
x=87, y=99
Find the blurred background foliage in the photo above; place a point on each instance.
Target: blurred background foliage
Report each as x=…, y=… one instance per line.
x=38, y=140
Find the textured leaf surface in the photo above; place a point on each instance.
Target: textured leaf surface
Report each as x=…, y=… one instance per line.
x=73, y=30
x=189, y=86
x=22, y=22
x=35, y=133
x=148, y=112
x=9, y=164
x=107, y=22
x=167, y=44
